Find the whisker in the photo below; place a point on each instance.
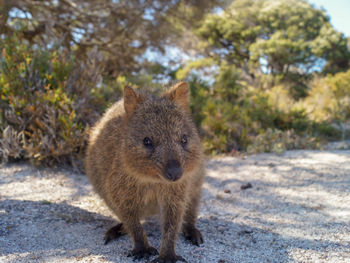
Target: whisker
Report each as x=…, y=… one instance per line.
x=187, y=150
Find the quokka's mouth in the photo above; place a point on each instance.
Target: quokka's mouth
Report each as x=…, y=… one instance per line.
x=173, y=176
x=168, y=178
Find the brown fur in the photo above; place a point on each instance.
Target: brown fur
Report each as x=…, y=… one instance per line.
x=133, y=179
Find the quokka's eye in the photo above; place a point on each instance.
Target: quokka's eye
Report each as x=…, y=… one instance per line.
x=147, y=142
x=184, y=139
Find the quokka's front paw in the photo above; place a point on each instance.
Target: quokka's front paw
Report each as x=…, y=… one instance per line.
x=193, y=235
x=114, y=232
x=141, y=253
x=169, y=259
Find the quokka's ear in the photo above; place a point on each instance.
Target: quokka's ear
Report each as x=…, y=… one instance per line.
x=180, y=94
x=131, y=100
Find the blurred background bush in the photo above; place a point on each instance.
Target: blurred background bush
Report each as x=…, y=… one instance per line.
x=265, y=75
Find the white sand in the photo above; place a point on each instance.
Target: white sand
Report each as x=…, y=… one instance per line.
x=298, y=210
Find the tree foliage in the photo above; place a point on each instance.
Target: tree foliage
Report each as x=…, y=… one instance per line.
x=120, y=30
x=279, y=37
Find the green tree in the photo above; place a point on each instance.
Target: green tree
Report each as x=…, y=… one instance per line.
x=119, y=31
x=287, y=39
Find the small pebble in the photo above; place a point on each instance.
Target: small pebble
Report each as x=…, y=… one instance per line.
x=245, y=232
x=246, y=186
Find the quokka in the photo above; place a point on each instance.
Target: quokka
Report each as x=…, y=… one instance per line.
x=145, y=158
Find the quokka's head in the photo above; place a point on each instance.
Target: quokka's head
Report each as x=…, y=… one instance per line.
x=160, y=139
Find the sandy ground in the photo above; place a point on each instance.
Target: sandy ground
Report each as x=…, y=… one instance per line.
x=298, y=210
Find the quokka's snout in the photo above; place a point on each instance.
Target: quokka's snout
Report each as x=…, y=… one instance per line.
x=173, y=170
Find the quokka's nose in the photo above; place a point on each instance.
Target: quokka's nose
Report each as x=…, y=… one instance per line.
x=173, y=170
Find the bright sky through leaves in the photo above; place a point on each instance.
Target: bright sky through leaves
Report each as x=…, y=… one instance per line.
x=339, y=12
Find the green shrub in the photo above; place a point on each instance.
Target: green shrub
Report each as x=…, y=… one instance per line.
x=200, y=93
x=48, y=101
x=38, y=120
x=234, y=116
x=278, y=141
x=329, y=98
